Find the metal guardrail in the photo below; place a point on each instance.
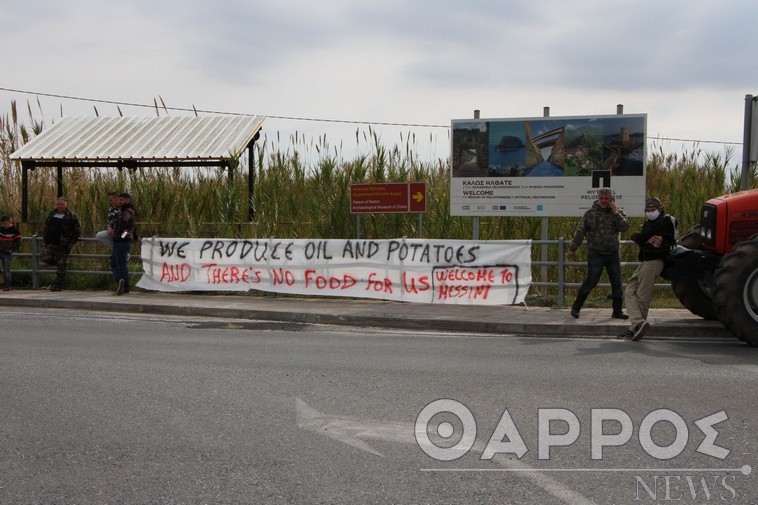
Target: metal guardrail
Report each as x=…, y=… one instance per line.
x=562, y=243
x=560, y=283
x=37, y=268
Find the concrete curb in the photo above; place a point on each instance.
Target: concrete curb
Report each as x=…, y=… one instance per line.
x=488, y=320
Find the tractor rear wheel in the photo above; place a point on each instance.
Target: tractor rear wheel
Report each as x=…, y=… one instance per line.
x=693, y=293
x=735, y=291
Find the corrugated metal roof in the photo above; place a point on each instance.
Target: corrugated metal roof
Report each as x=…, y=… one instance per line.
x=142, y=138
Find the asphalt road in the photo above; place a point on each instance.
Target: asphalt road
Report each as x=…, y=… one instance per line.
x=108, y=408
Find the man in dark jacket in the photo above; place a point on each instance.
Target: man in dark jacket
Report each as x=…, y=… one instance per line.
x=60, y=232
x=10, y=242
x=601, y=224
x=656, y=239
x=123, y=233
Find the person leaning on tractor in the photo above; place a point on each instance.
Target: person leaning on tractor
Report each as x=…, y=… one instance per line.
x=61, y=231
x=656, y=239
x=601, y=224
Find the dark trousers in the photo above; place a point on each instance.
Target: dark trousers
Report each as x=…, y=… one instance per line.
x=5, y=259
x=57, y=255
x=119, y=265
x=595, y=264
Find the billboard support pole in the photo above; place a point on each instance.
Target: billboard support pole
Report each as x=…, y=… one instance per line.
x=544, y=233
x=475, y=222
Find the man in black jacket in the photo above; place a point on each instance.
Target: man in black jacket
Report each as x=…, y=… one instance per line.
x=10, y=242
x=123, y=234
x=656, y=239
x=61, y=231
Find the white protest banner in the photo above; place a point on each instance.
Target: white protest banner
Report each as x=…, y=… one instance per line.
x=410, y=270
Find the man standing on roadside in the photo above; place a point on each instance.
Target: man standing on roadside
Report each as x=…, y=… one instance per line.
x=123, y=233
x=656, y=239
x=601, y=224
x=60, y=232
x=10, y=242
x=114, y=207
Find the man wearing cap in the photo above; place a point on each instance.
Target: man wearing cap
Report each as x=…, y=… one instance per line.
x=656, y=239
x=602, y=225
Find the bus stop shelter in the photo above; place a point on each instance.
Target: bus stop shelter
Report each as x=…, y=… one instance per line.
x=134, y=142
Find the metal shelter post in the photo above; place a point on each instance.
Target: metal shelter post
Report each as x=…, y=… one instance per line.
x=250, y=183
x=26, y=166
x=59, y=170
x=251, y=177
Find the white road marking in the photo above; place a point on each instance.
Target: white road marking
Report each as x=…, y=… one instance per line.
x=354, y=431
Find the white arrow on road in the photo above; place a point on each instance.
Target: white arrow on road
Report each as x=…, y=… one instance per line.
x=353, y=431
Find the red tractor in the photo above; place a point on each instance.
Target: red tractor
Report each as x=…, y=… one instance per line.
x=714, y=270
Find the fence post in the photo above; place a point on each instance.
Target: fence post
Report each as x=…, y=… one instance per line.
x=35, y=262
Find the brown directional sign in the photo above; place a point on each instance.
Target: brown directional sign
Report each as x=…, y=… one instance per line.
x=417, y=193
x=389, y=197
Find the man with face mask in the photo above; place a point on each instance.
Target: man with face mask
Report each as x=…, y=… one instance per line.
x=655, y=240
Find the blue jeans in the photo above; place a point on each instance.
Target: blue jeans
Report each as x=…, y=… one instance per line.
x=5, y=257
x=119, y=265
x=595, y=264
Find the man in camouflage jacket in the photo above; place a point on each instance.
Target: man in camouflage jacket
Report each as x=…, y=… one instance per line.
x=601, y=225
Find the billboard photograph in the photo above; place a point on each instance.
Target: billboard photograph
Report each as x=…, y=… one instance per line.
x=546, y=166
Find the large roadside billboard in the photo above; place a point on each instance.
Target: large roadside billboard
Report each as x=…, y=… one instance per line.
x=546, y=166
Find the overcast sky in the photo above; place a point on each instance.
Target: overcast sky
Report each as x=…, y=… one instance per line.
x=688, y=64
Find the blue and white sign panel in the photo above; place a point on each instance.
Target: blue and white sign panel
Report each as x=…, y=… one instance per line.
x=546, y=166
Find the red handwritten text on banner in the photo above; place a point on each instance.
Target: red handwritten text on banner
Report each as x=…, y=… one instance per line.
x=424, y=271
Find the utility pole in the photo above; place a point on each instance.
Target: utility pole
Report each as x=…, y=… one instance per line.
x=749, y=140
